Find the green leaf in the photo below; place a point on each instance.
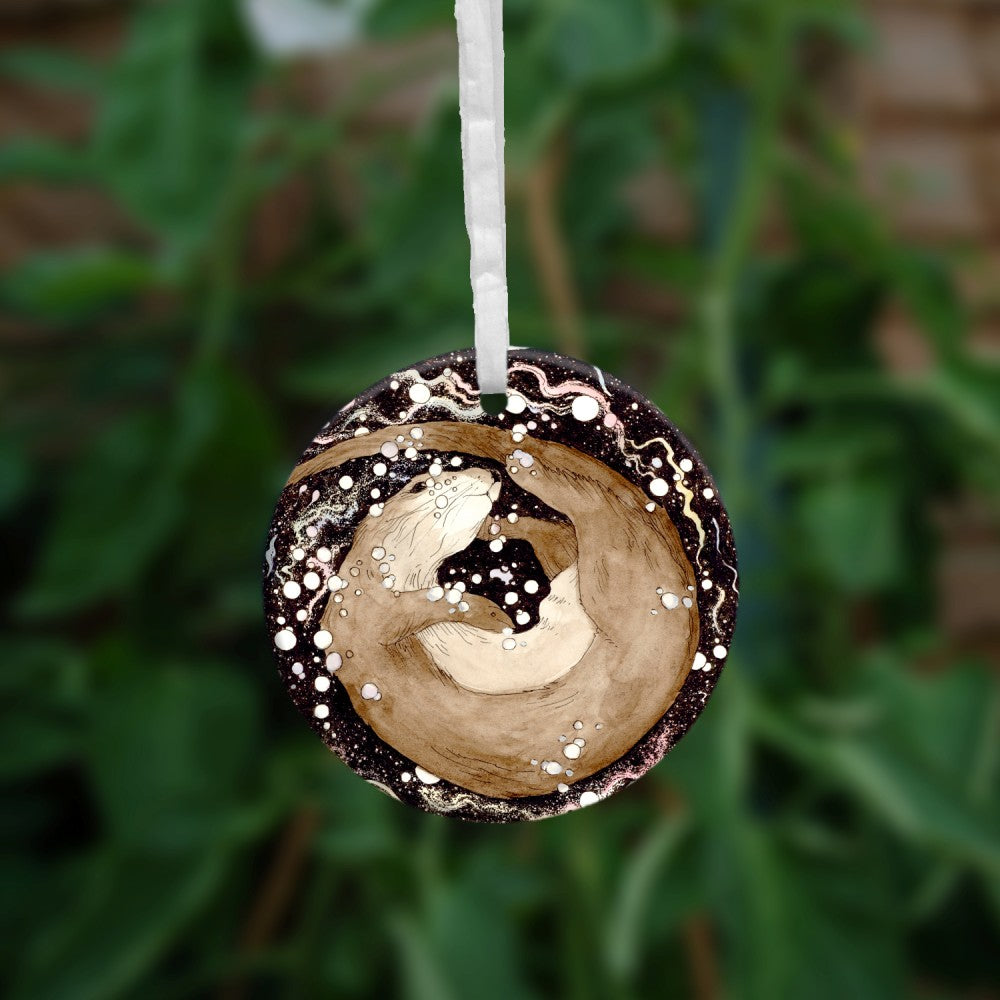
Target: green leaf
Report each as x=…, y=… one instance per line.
x=52, y=68
x=929, y=295
x=128, y=913
x=463, y=935
x=43, y=697
x=920, y=806
x=592, y=41
x=395, y=18
x=113, y=512
x=74, y=284
x=42, y=160
x=169, y=750
x=169, y=132
x=788, y=915
x=628, y=912
x=15, y=475
x=852, y=530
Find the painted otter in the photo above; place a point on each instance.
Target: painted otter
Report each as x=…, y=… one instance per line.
x=444, y=680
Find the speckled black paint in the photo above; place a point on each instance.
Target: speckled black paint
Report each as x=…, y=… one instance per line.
x=381, y=406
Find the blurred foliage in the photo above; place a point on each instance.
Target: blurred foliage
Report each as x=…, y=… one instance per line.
x=830, y=826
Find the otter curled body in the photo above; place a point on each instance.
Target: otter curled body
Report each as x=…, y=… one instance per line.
x=494, y=742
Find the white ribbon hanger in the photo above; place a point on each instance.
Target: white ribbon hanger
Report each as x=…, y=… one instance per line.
x=480, y=70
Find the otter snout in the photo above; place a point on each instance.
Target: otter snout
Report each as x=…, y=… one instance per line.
x=477, y=482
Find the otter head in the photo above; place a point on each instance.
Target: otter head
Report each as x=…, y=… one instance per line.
x=430, y=519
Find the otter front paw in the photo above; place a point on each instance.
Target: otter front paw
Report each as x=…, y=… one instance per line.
x=482, y=613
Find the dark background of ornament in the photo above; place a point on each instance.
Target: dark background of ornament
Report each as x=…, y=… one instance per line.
x=365, y=751
x=202, y=255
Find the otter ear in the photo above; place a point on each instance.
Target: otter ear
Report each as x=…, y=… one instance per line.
x=415, y=612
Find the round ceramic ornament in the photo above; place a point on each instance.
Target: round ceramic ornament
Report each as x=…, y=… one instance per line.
x=500, y=617
x=505, y=615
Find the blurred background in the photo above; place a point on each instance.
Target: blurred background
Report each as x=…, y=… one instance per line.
x=778, y=218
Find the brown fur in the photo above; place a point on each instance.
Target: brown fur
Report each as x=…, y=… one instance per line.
x=627, y=679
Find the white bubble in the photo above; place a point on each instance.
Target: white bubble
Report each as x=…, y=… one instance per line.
x=719, y=652
x=425, y=776
x=562, y=787
x=658, y=487
x=670, y=601
x=699, y=661
x=706, y=584
x=335, y=583
x=510, y=598
x=585, y=408
x=378, y=552
x=321, y=711
x=298, y=669
x=380, y=468
x=322, y=683
x=686, y=601
x=516, y=403
x=531, y=586
x=390, y=449
x=298, y=554
x=578, y=724
x=686, y=464
x=523, y=618
x=311, y=580
x=453, y=596
x=435, y=594
x=496, y=545
x=553, y=767
x=323, y=554
x=370, y=692
x=588, y=799
x=419, y=392
x=322, y=639
x=346, y=482
x=285, y=639
x=334, y=661
x=708, y=493
x=406, y=776
x=509, y=643
x=291, y=589
x=571, y=751
x=417, y=433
